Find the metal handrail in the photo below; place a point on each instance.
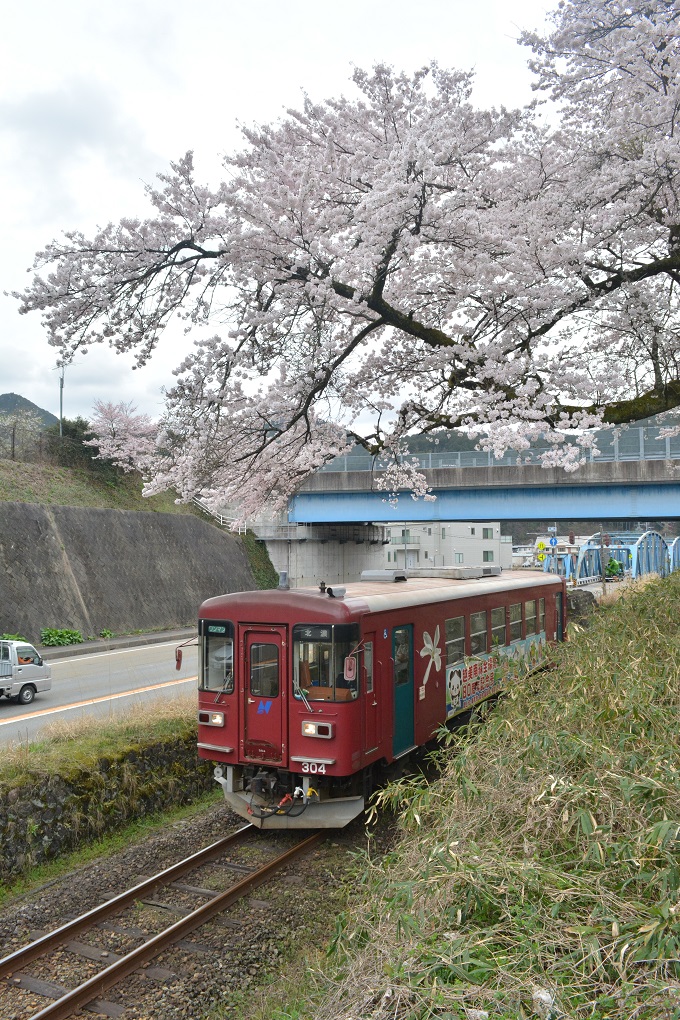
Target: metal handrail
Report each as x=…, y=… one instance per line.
x=635, y=444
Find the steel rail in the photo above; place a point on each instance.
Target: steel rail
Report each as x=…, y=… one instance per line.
x=97, y=985
x=21, y=957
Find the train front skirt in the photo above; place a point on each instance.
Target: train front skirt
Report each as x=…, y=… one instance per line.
x=304, y=810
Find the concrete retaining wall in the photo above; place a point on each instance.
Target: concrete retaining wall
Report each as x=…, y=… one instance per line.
x=90, y=569
x=43, y=815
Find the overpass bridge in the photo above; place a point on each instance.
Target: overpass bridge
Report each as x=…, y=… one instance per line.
x=637, y=476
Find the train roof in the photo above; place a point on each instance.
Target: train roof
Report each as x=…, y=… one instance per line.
x=381, y=596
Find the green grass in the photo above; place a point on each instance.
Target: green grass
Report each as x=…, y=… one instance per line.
x=67, y=747
x=42, y=483
x=263, y=570
x=540, y=874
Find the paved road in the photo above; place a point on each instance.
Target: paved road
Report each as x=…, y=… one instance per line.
x=104, y=684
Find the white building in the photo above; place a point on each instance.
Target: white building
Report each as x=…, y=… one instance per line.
x=336, y=553
x=447, y=544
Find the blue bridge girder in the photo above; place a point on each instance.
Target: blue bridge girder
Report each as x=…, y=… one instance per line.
x=623, y=490
x=674, y=553
x=633, y=555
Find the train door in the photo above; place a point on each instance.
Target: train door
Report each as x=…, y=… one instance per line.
x=559, y=616
x=371, y=735
x=263, y=693
x=402, y=659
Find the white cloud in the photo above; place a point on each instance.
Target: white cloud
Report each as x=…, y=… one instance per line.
x=97, y=98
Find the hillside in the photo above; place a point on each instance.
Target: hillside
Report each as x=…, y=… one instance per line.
x=59, y=571
x=23, y=482
x=10, y=403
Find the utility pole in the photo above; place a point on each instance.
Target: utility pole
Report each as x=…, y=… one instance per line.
x=61, y=402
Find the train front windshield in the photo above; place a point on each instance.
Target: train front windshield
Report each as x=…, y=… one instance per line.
x=216, y=661
x=319, y=654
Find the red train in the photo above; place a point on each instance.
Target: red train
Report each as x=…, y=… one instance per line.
x=306, y=695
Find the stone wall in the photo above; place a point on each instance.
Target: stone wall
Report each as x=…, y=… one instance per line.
x=120, y=570
x=43, y=814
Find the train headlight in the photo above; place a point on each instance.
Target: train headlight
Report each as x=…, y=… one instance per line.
x=317, y=729
x=211, y=718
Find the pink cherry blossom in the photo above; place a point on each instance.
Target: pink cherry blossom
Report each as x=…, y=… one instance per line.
x=401, y=257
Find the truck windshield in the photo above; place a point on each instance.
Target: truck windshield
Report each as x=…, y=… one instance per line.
x=216, y=658
x=319, y=654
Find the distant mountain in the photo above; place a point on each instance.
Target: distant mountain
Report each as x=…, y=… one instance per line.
x=11, y=402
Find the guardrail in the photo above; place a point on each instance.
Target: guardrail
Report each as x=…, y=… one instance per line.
x=638, y=443
x=226, y=522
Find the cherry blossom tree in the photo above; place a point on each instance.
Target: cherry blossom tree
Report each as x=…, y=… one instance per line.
x=402, y=255
x=122, y=436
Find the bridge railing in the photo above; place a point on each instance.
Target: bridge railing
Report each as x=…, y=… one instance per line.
x=637, y=443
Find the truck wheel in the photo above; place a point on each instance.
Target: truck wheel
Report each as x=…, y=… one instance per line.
x=26, y=695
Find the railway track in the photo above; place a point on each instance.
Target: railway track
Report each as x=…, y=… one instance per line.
x=88, y=994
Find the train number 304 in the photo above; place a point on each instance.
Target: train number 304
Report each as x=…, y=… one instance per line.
x=313, y=767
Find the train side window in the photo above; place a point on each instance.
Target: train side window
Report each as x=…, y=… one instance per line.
x=498, y=627
x=516, y=622
x=541, y=616
x=478, y=635
x=455, y=640
x=264, y=670
x=368, y=665
x=530, y=613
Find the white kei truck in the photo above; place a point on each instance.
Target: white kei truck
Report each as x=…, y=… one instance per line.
x=22, y=672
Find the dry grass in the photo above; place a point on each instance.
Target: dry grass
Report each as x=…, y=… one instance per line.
x=43, y=483
x=539, y=876
x=64, y=744
x=616, y=589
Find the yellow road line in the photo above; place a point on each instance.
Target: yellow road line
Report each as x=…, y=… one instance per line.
x=96, y=701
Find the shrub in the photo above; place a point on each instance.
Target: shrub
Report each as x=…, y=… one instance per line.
x=12, y=637
x=105, y=633
x=52, y=636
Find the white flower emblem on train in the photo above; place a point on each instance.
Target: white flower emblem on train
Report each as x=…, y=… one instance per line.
x=431, y=648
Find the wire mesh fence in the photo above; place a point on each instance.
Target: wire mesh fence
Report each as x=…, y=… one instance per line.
x=43, y=447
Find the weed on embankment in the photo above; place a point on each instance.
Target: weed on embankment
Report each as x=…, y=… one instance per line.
x=539, y=876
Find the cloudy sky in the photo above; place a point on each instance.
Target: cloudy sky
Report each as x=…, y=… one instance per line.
x=97, y=97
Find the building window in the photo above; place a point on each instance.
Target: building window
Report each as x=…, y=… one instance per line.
x=541, y=615
x=459, y=557
x=429, y=531
x=478, y=642
x=487, y=532
x=455, y=640
x=472, y=531
x=389, y=557
x=443, y=532
x=427, y=554
x=487, y=556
